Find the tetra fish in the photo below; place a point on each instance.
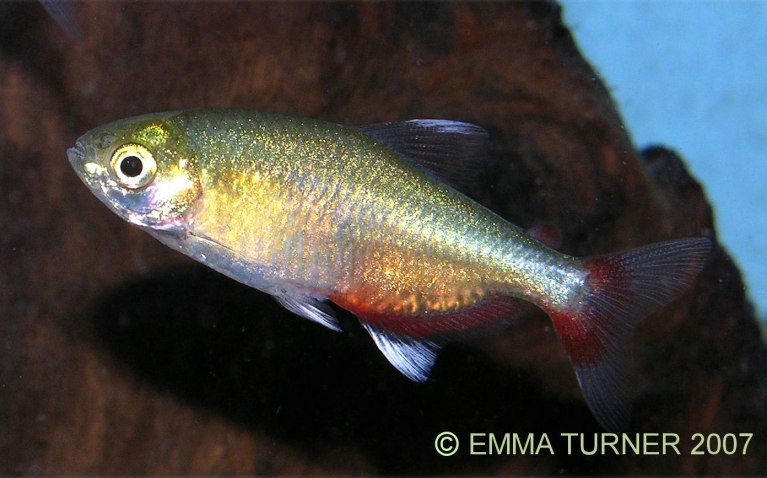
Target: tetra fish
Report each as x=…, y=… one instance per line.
x=310, y=212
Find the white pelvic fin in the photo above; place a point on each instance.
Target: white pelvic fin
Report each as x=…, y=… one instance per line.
x=413, y=358
x=310, y=308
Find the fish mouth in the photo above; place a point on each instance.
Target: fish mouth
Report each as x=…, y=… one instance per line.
x=90, y=172
x=76, y=155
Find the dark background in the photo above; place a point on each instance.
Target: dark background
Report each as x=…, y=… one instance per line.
x=119, y=356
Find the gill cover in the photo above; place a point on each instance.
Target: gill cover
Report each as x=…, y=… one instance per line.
x=141, y=168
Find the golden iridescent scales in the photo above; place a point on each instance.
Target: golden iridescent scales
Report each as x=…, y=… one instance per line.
x=298, y=218
x=309, y=211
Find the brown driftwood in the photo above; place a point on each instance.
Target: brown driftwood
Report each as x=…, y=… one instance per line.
x=120, y=356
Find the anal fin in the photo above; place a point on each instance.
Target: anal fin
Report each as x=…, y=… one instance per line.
x=411, y=342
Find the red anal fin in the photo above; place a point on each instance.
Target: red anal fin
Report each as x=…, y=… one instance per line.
x=411, y=342
x=489, y=314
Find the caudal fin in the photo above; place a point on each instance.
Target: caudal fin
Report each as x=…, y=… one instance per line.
x=621, y=290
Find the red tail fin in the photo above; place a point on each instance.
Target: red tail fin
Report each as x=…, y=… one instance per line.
x=621, y=290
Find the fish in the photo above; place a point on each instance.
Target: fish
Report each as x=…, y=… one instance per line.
x=375, y=220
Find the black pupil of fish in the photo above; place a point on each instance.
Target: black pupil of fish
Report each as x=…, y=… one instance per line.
x=131, y=166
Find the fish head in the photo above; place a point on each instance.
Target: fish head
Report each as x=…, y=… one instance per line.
x=142, y=168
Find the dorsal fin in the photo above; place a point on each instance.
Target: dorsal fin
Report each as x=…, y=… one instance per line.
x=453, y=151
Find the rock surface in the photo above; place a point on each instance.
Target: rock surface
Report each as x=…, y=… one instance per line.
x=119, y=356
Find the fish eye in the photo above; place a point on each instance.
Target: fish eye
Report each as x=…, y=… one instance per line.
x=133, y=165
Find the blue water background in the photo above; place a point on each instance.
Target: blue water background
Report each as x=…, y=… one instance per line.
x=692, y=75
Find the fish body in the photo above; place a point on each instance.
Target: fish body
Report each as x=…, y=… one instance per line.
x=311, y=212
